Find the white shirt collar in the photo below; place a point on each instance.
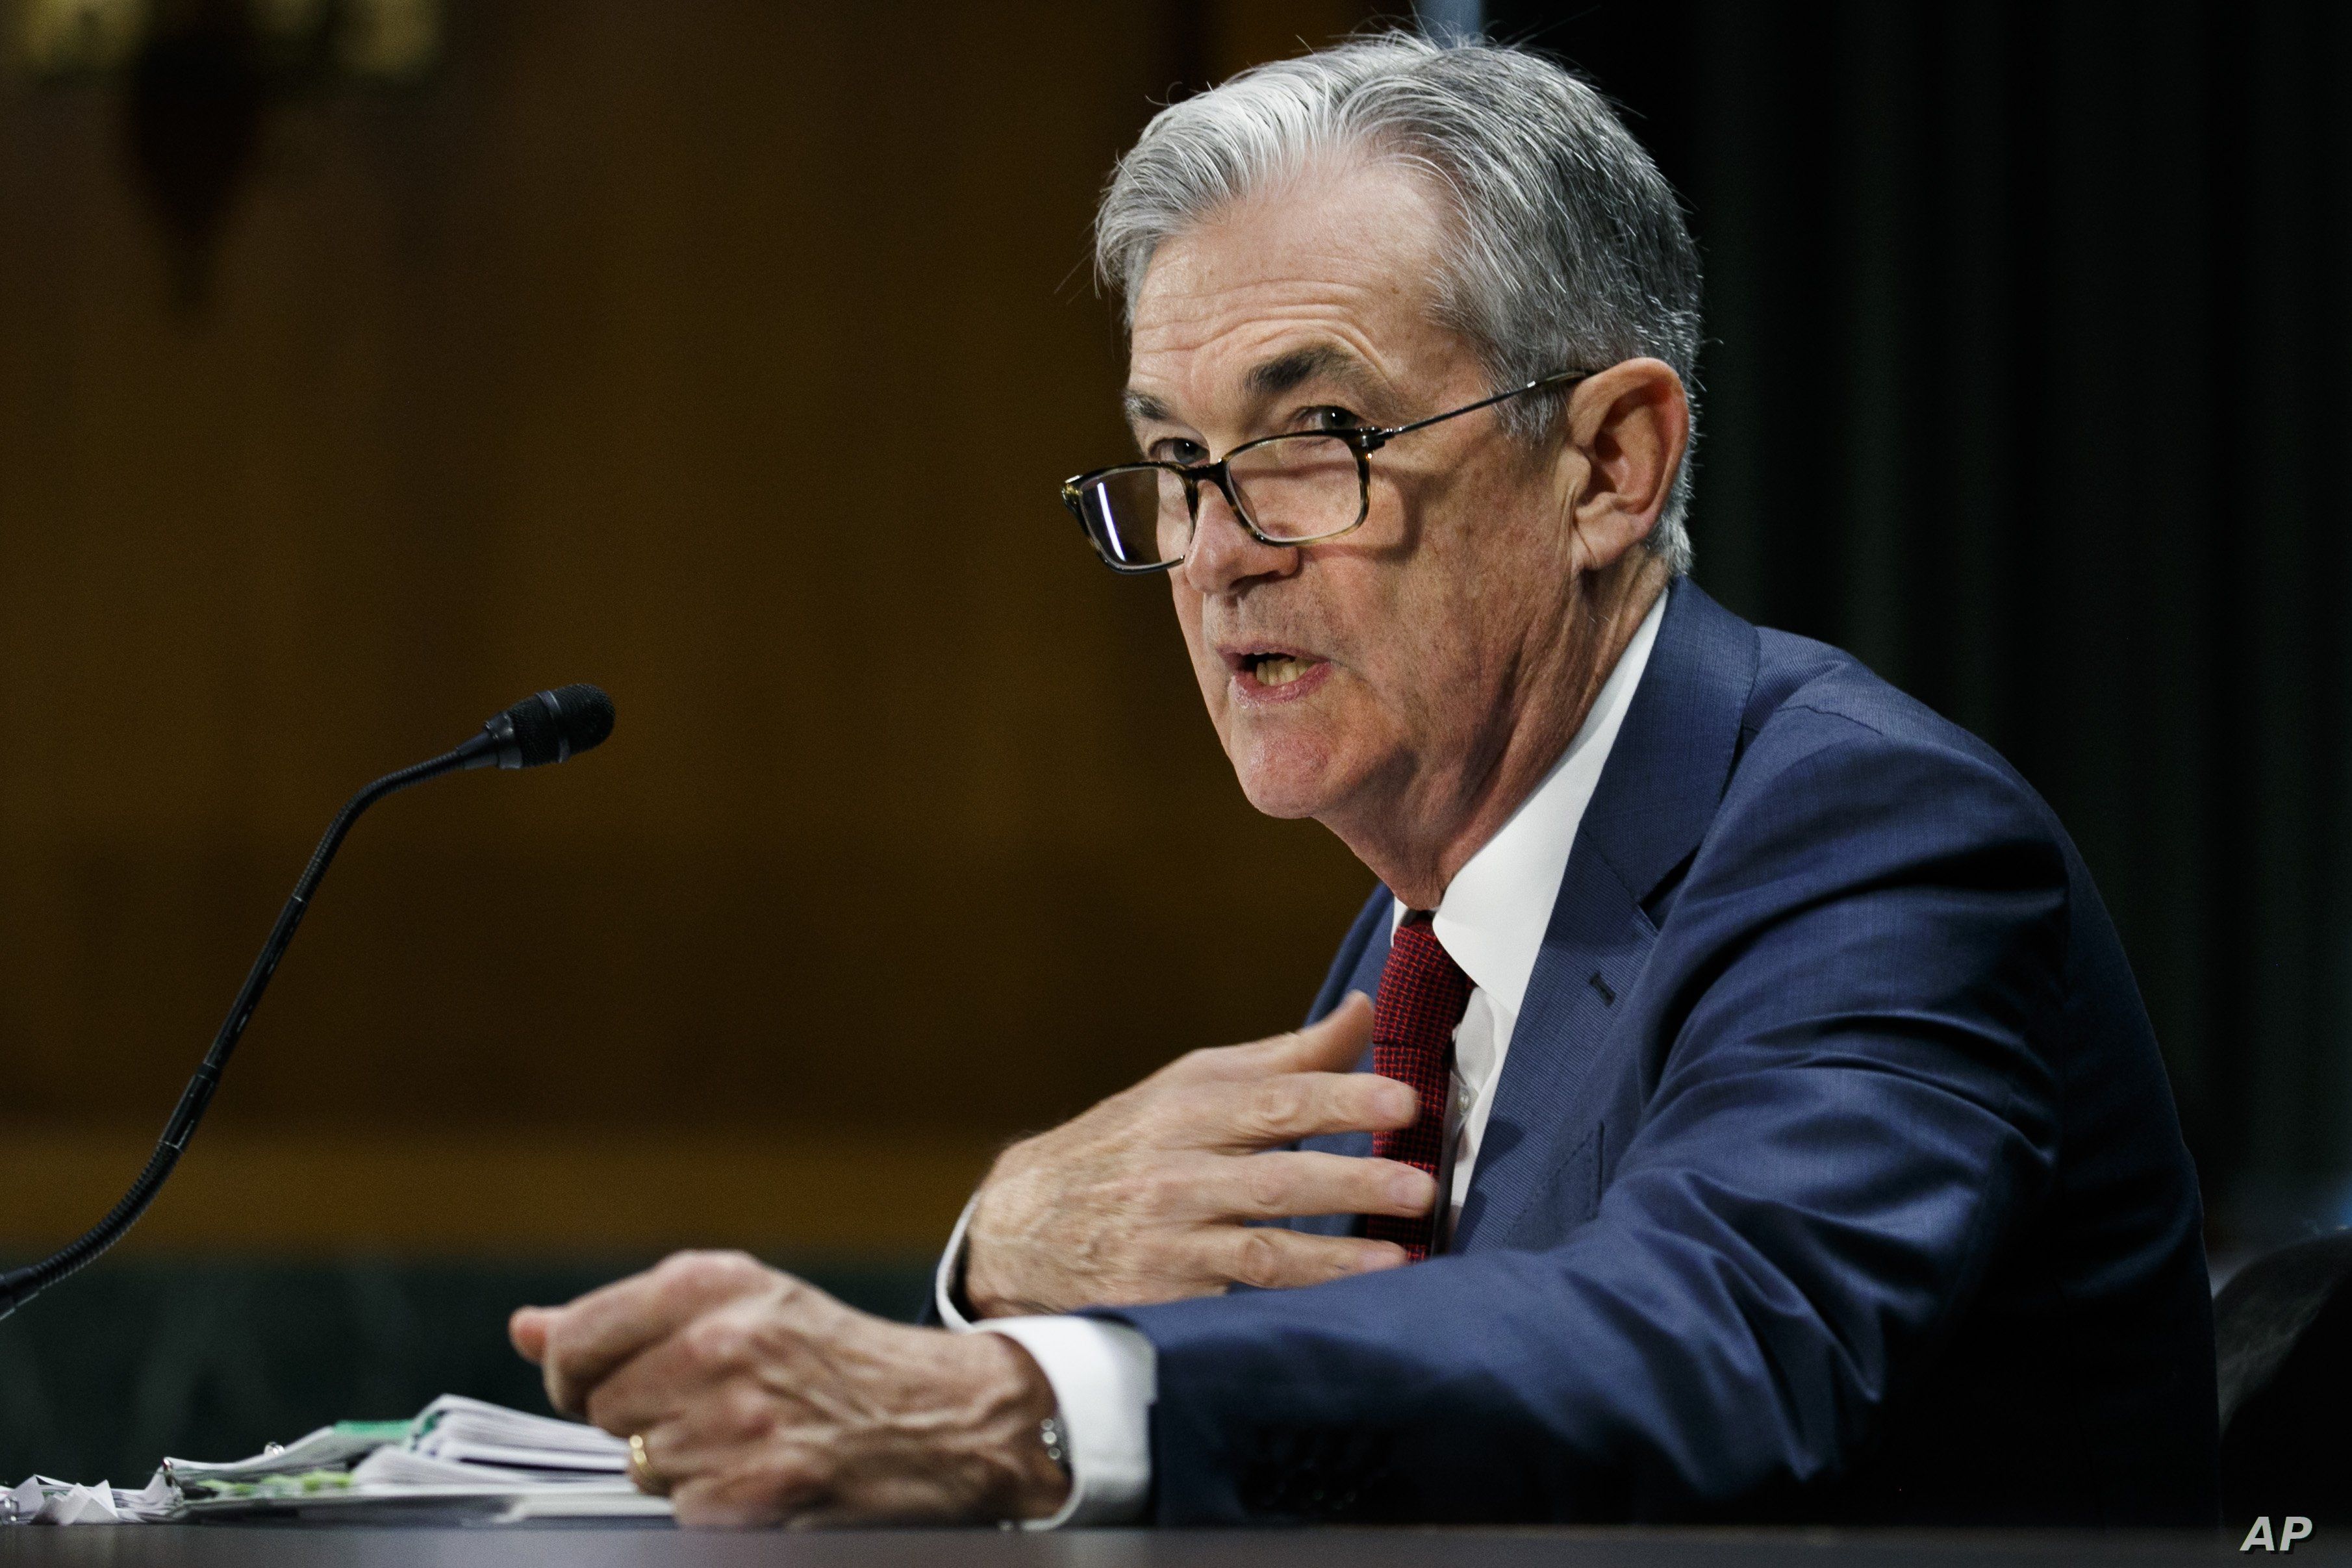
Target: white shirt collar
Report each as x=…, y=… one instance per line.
x=1493, y=915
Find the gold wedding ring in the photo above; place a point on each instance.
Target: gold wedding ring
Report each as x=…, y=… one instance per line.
x=641, y=1469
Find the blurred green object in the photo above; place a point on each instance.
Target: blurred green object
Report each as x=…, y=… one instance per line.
x=139, y=1358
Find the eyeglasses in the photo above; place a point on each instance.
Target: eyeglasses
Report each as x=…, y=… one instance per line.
x=1286, y=489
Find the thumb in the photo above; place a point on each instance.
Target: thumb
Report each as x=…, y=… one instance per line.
x=528, y=1329
x=1333, y=1043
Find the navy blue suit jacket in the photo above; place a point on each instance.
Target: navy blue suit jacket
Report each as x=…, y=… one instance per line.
x=1833, y=1172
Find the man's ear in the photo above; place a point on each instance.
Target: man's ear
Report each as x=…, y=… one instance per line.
x=1628, y=428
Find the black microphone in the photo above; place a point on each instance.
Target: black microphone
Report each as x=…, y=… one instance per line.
x=547, y=727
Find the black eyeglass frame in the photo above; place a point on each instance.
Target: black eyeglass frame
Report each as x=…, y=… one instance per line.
x=1363, y=440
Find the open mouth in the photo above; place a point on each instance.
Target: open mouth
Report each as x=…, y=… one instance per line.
x=1272, y=673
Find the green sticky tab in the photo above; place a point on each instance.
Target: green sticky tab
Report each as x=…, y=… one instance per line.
x=374, y=1431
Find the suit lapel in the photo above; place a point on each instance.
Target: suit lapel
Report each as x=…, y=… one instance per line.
x=1655, y=800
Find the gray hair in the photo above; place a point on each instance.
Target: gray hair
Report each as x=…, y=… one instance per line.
x=1569, y=248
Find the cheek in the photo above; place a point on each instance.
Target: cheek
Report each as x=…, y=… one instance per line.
x=1447, y=637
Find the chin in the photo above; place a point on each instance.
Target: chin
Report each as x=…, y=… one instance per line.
x=1285, y=781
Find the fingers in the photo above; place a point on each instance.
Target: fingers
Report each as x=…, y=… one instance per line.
x=734, y=1344
x=1097, y=1210
x=1264, y=1112
x=585, y=1342
x=730, y=1502
x=1333, y=1043
x=1286, y=1259
x=1286, y=1184
x=720, y=1481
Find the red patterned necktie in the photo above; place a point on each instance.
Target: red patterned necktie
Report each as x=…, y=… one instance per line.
x=1422, y=994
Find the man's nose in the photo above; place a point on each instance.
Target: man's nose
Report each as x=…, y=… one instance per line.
x=1224, y=554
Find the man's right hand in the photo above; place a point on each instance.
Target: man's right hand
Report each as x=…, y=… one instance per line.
x=1144, y=1198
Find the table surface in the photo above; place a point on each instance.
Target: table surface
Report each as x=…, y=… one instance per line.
x=293, y=1546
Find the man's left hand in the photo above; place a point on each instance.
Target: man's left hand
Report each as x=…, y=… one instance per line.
x=761, y=1400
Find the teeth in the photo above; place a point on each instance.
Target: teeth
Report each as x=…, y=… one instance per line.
x=1279, y=670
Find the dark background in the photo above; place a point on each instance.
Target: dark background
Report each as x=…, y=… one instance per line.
x=727, y=354
x=2027, y=343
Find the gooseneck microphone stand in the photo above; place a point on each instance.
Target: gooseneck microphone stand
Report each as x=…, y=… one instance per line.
x=547, y=728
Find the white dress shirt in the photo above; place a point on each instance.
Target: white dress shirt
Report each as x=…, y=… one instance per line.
x=1491, y=919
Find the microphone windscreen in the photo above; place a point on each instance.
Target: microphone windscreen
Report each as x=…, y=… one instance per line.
x=549, y=726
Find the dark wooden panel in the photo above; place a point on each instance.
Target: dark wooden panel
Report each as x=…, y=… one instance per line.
x=726, y=355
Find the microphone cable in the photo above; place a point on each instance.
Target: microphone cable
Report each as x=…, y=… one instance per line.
x=548, y=727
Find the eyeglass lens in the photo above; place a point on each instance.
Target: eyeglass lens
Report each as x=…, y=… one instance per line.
x=1295, y=487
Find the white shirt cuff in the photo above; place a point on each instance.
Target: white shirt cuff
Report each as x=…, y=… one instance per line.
x=951, y=1269
x=1103, y=1376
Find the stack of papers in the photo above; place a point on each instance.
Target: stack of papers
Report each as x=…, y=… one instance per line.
x=461, y=1431
x=459, y=1459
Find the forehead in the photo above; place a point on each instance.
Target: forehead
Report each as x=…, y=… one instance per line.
x=1344, y=255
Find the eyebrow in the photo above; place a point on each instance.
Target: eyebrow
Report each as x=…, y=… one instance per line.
x=1286, y=371
x=1269, y=378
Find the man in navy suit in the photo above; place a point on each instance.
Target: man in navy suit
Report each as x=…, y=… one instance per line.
x=1761, y=1120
